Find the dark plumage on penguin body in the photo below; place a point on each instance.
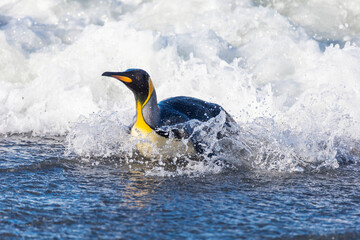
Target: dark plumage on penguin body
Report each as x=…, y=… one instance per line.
x=153, y=119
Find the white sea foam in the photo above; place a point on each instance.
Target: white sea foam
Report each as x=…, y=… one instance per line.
x=288, y=71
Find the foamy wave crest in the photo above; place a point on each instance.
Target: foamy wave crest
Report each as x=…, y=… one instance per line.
x=274, y=147
x=99, y=136
x=259, y=145
x=291, y=82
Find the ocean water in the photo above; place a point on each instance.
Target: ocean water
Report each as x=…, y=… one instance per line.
x=287, y=71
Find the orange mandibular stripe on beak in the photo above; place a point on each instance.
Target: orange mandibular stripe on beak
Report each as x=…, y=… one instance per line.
x=122, y=78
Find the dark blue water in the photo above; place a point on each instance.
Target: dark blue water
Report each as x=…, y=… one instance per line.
x=46, y=194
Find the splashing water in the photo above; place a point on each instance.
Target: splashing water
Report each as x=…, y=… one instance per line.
x=290, y=82
x=258, y=145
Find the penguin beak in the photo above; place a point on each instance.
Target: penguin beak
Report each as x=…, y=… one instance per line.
x=118, y=75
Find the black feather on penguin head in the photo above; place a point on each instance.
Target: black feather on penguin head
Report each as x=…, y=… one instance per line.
x=137, y=80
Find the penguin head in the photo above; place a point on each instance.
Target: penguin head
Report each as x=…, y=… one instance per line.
x=137, y=80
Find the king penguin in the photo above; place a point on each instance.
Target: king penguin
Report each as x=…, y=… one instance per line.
x=156, y=122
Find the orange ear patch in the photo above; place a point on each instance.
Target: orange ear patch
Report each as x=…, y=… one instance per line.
x=122, y=78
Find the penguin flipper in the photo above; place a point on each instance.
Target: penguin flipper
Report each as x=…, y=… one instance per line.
x=184, y=131
x=178, y=131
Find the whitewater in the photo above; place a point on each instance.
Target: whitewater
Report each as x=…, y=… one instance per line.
x=288, y=72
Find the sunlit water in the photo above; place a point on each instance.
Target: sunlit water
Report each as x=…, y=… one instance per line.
x=287, y=71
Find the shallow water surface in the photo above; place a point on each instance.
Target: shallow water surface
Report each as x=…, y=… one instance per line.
x=48, y=194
